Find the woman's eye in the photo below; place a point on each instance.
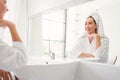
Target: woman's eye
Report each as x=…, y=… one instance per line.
x=90, y=22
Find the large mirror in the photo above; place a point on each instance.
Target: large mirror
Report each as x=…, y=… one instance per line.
x=54, y=29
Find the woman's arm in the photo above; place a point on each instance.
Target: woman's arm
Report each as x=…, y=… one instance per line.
x=97, y=45
x=97, y=39
x=15, y=55
x=12, y=28
x=85, y=55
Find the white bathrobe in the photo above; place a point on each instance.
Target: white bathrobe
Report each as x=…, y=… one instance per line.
x=83, y=45
x=13, y=57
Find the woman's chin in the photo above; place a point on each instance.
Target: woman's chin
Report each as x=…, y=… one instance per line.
x=1, y=16
x=89, y=32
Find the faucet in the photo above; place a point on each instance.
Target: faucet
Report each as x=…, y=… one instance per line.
x=52, y=55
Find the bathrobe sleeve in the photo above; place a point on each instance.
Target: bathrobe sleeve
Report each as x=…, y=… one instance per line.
x=102, y=51
x=76, y=49
x=12, y=57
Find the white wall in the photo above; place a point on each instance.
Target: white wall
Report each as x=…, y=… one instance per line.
x=38, y=6
x=35, y=47
x=110, y=16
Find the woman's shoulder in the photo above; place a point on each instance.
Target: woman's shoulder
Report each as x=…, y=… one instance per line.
x=104, y=39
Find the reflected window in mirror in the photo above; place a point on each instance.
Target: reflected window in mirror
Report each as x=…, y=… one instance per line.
x=53, y=28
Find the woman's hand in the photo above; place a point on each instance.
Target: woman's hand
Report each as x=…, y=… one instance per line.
x=97, y=39
x=98, y=42
x=4, y=75
x=93, y=36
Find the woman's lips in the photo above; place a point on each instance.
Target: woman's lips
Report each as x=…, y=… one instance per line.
x=88, y=29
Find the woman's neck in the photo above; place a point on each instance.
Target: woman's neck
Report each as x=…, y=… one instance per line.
x=91, y=37
x=90, y=33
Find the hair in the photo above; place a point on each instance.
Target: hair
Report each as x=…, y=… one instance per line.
x=94, y=22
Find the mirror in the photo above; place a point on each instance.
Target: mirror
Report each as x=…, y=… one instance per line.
x=53, y=30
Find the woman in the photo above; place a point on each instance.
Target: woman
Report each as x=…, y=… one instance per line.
x=10, y=57
x=13, y=57
x=93, y=43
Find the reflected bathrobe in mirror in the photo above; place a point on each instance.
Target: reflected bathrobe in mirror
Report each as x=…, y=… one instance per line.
x=83, y=45
x=13, y=57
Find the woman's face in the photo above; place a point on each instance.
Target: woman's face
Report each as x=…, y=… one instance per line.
x=3, y=8
x=90, y=25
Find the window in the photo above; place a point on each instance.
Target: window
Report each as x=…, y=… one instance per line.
x=53, y=28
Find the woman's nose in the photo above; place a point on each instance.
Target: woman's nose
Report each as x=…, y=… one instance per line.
x=6, y=8
x=87, y=26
